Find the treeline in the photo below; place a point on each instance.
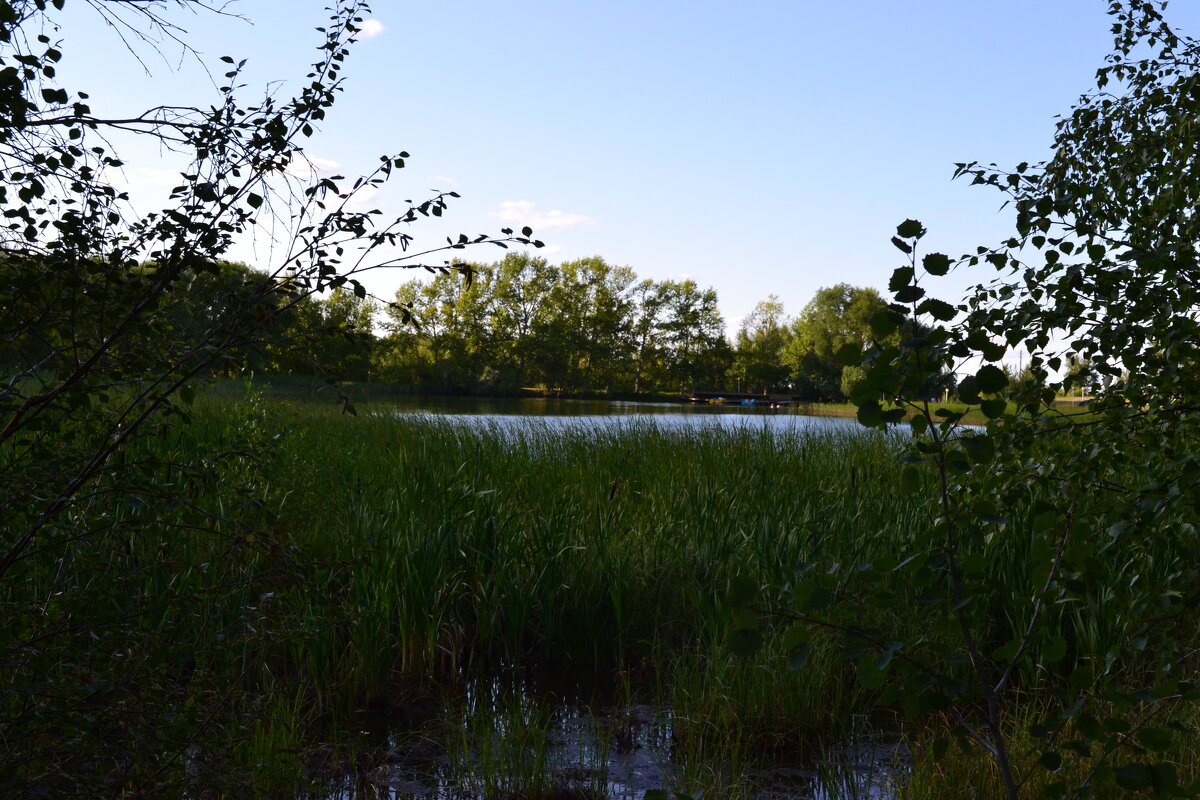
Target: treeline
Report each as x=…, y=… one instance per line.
x=583, y=326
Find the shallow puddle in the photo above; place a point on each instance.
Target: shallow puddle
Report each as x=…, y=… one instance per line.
x=499, y=743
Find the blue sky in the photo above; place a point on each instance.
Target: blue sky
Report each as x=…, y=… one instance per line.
x=756, y=147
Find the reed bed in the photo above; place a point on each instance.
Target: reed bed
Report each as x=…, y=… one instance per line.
x=339, y=564
x=446, y=546
x=400, y=552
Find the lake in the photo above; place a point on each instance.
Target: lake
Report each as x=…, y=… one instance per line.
x=509, y=411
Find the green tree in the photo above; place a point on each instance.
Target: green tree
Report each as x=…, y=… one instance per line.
x=212, y=296
x=650, y=302
x=1062, y=556
x=331, y=337
x=836, y=316
x=758, y=348
x=522, y=285
x=403, y=356
x=583, y=336
x=444, y=324
x=695, y=351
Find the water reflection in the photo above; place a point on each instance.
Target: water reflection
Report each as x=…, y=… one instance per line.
x=553, y=412
x=505, y=740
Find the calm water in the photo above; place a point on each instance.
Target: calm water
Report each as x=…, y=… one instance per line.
x=608, y=413
x=503, y=741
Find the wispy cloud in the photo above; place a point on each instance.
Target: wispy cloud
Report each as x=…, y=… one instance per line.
x=447, y=181
x=370, y=28
x=523, y=212
x=305, y=166
x=363, y=196
x=323, y=164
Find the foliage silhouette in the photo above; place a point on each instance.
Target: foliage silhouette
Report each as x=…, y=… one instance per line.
x=1060, y=575
x=109, y=318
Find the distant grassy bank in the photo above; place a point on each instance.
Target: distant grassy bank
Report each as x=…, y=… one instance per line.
x=298, y=387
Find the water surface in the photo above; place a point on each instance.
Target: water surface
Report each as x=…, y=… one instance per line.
x=507, y=412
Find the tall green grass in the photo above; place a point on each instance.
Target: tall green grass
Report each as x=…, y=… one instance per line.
x=451, y=545
x=416, y=550
x=355, y=562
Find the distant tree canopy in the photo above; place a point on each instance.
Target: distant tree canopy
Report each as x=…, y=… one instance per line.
x=759, y=344
x=836, y=316
x=584, y=326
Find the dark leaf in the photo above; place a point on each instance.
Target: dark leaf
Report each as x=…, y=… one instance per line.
x=1051, y=760
x=870, y=414
x=850, y=354
x=1156, y=739
x=968, y=391
x=1054, y=649
x=938, y=309
x=1133, y=777
x=991, y=378
x=901, y=277
x=936, y=264
x=993, y=409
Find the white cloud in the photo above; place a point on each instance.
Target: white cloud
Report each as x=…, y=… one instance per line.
x=323, y=164
x=370, y=28
x=523, y=212
x=551, y=251
x=363, y=196
x=305, y=166
x=445, y=180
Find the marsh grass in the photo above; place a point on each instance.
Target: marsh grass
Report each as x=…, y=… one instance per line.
x=417, y=549
x=597, y=548
x=333, y=564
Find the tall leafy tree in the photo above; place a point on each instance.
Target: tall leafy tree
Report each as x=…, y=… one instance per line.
x=693, y=335
x=650, y=305
x=836, y=316
x=522, y=285
x=444, y=324
x=331, y=337
x=759, y=346
x=586, y=330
